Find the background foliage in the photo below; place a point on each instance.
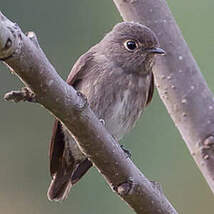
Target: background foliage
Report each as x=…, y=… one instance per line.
x=66, y=29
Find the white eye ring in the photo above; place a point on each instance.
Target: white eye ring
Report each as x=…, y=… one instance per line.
x=130, y=45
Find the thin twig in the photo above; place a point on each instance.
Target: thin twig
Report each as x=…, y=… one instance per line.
x=25, y=94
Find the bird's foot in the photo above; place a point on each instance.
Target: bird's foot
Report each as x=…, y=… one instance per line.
x=25, y=94
x=127, y=152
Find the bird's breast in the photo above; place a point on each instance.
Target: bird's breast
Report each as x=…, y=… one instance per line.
x=118, y=99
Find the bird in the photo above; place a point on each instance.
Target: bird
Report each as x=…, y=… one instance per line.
x=116, y=77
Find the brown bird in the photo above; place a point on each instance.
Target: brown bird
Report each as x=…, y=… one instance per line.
x=116, y=77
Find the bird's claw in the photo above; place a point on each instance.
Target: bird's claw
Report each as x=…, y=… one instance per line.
x=126, y=151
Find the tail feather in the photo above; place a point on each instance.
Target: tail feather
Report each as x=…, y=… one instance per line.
x=63, y=181
x=59, y=191
x=60, y=186
x=81, y=170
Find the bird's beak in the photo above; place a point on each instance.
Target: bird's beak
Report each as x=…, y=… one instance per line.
x=155, y=51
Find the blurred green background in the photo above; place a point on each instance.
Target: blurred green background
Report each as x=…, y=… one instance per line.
x=65, y=30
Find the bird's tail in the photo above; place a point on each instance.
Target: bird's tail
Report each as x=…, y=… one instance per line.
x=60, y=187
x=63, y=181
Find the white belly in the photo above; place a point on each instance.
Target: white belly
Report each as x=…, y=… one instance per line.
x=123, y=117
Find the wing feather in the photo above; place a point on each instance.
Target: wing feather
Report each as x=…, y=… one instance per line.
x=57, y=140
x=151, y=90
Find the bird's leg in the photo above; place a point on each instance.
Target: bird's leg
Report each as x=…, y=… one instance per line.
x=25, y=94
x=121, y=146
x=126, y=151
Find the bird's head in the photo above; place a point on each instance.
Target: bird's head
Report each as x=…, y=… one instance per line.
x=131, y=46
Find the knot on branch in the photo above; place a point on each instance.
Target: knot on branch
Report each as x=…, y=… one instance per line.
x=209, y=141
x=32, y=36
x=123, y=189
x=25, y=94
x=207, y=148
x=102, y=122
x=84, y=101
x=10, y=38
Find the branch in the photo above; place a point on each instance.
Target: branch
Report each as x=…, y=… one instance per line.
x=23, y=54
x=180, y=84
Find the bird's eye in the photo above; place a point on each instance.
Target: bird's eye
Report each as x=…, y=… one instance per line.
x=130, y=45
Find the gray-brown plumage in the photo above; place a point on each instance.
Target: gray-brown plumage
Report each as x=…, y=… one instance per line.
x=116, y=77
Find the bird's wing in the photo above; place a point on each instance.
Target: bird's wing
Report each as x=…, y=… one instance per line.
x=65, y=174
x=151, y=90
x=78, y=69
x=57, y=141
x=56, y=147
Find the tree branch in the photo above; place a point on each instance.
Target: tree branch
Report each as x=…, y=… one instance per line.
x=24, y=56
x=180, y=84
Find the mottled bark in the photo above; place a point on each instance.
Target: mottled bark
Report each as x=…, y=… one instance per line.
x=24, y=56
x=180, y=83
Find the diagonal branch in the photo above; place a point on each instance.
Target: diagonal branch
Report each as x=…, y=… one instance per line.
x=181, y=86
x=23, y=54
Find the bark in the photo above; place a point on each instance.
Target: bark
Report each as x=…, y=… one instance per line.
x=180, y=83
x=24, y=57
